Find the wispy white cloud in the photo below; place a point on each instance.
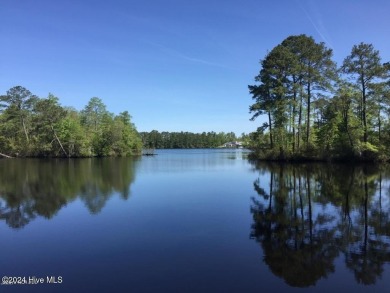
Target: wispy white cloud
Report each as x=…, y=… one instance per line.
x=317, y=22
x=178, y=54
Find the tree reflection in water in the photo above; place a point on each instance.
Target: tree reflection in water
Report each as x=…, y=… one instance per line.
x=305, y=216
x=30, y=187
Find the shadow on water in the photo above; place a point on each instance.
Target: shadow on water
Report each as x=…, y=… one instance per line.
x=31, y=188
x=307, y=215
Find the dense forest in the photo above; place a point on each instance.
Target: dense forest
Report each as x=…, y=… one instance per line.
x=40, y=127
x=317, y=110
x=185, y=140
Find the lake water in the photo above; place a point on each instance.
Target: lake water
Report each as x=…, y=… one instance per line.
x=194, y=221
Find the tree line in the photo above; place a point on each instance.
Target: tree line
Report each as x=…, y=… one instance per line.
x=40, y=127
x=315, y=109
x=179, y=140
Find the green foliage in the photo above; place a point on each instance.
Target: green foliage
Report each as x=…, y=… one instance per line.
x=16, y=106
x=72, y=135
x=47, y=114
x=364, y=64
x=93, y=113
x=312, y=113
x=30, y=126
x=292, y=75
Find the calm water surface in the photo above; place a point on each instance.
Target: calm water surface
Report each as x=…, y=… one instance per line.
x=194, y=221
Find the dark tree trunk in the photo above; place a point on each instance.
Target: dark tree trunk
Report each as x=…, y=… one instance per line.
x=270, y=130
x=300, y=119
x=308, y=113
x=364, y=114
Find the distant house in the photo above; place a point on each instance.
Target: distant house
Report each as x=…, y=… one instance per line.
x=233, y=144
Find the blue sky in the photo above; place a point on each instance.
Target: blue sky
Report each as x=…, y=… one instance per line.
x=175, y=65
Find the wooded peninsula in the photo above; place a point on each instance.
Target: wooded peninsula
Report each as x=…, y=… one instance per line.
x=316, y=110
x=41, y=127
